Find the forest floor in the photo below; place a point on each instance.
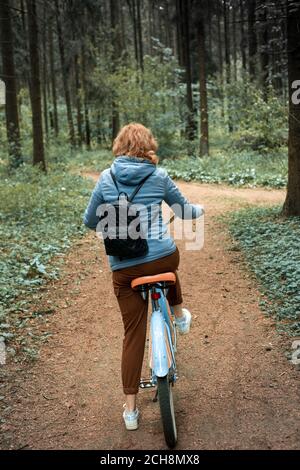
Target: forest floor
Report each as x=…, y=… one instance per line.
x=236, y=389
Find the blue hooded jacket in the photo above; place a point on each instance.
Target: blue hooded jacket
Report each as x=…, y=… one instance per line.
x=129, y=172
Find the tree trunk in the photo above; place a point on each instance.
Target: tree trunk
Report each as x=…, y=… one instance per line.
x=220, y=45
x=292, y=203
x=150, y=29
x=53, y=82
x=220, y=59
x=243, y=36
x=227, y=43
x=167, y=25
x=234, y=46
x=85, y=102
x=65, y=76
x=191, y=126
x=35, y=86
x=140, y=35
x=264, y=47
x=180, y=33
x=23, y=15
x=227, y=60
x=9, y=78
x=80, y=137
x=209, y=29
x=132, y=5
x=123, y=27
x=204, y=143
x=45, y=76
x=116, y=52
x=252, y=38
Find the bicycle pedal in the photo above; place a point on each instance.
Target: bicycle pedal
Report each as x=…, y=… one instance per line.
x=147, y=384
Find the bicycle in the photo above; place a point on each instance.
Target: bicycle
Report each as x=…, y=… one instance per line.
x=162, y=348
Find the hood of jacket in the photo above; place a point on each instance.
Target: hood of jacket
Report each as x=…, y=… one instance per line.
x=132, y=170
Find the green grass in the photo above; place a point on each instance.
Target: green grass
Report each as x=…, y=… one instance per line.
x=244, y=168
x=79, y=159
x=239, y=168
x=272, y=248
x=40, y=216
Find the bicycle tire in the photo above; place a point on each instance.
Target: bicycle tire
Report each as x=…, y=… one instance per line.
x=167, y=411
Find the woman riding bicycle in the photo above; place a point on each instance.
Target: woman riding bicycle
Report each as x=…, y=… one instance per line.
x=135, y=151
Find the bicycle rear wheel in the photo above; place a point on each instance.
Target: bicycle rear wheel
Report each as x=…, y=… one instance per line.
x=167, y=412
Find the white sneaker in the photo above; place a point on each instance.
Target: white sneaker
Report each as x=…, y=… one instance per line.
x=131, y=419
x=184, y=323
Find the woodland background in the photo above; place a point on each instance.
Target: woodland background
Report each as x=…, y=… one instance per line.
x=215, y=80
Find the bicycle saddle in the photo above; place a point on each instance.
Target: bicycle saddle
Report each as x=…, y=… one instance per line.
x=166, y=278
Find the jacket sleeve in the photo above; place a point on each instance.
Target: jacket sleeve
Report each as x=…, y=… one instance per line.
x=90, y=219
x=179, y=204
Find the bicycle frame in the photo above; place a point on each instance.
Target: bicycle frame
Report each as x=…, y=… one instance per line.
x=162, y=332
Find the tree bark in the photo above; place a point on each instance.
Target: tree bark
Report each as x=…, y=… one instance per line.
x=53, y=82
x=209, y=29
x=140, y=35
x=167, y=22
x=133, y=14
x=191, y=126
x=264, y=47
x=204, y=141
x=227, y=43
x=85, y=101
x=243, y=36
x=227, y=60
x=150, y=28
x=45, y=76
x=9, y=78
x=252, y=38
x=180, y=33
x=35, y=86
x=220, y=60
x=220, y=45
x=292, y=203
x=80, y=137
x=234, y=43
x=116, y=50
x=64, y=75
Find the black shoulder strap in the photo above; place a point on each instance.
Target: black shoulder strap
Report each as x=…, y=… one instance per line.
x=114, y=180
x=138, y=188
x=130, y=199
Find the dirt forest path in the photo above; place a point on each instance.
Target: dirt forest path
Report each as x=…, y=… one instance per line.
x=236, y=388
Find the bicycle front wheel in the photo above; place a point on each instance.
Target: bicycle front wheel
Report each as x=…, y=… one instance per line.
x=167, y=412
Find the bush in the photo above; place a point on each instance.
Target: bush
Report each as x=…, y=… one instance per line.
x=259, y=120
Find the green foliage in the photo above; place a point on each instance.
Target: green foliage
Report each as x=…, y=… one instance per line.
x=40, y=215
x=272, y=248
x=78, y=159
x=61, y=157
x=245, y=168
x=259, y=118
x=154, y=98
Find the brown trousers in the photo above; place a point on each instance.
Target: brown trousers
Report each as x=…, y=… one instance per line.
x=134, y=314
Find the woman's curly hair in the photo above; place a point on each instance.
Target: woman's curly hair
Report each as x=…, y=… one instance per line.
x=136, y=140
